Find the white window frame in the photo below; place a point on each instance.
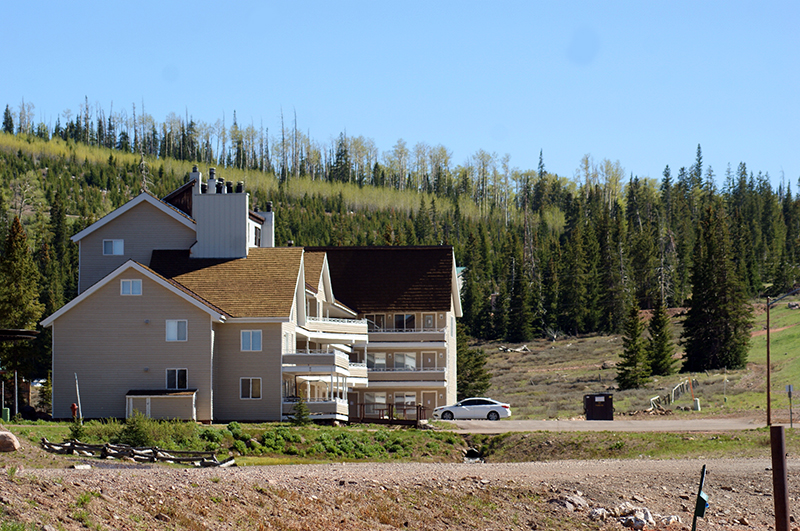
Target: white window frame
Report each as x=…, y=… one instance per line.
x=177, y=330
x=131, y=285
x=246, y=340
x=371, y=400
x=250, y=380
x=372, y=357
x=117, y=247
x=376, y=322
x=432, y=317
x=177, y=372
x=404, y=366
x=406, y=317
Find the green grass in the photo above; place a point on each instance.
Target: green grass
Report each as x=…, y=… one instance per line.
x=549, y=446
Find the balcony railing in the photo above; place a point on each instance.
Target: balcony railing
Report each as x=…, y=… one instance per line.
x=336, y=320
x=312, y=357
x=406, y=369
x=407, y=330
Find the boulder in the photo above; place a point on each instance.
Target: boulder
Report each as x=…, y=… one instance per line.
x=8, y=442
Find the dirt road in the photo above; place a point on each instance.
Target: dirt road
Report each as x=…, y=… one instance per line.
x=654, y=424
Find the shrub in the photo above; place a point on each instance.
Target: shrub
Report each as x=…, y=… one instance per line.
x=211, y=435
x=138, y=431
x=240, y=447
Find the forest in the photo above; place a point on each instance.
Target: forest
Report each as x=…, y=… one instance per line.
x=544, y=255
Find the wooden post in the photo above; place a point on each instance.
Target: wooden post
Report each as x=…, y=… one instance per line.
x=780, y=484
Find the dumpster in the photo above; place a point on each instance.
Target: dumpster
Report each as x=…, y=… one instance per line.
x=599, y=406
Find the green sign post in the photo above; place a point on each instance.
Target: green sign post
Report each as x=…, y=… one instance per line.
x=702, y=501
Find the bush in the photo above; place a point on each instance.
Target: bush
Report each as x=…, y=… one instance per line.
x=211, y=435
x=138, y=431
x=240, y=447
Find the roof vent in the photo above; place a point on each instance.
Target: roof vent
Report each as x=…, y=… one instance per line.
x=269, y=206
x=240, y=187
x=228, y=187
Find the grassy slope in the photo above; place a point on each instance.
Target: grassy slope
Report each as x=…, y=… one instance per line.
x=551, y=379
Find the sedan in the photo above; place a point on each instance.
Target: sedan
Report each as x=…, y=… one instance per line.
x=474, y=408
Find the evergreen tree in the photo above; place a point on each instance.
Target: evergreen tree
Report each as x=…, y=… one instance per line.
x=520, y=319
x=716, y=331
x=633, y=371
x=8, y=121
x=659, y=347
x=19, y=300
x=473, y=379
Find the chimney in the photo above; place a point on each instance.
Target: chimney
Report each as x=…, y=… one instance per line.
x=268, y=227
x=195, y=175
x=212, y=180
x=240, y=187
x=222, y=220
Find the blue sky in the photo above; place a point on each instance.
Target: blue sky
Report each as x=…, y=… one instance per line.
x=642, y=83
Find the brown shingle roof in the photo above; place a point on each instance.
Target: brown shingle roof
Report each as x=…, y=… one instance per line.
x=374, y=279
x=261, y=285
x=313, y=262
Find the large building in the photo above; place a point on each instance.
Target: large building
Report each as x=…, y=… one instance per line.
x=186, y=309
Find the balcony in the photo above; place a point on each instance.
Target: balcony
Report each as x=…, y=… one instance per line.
x=419, y=376
x=308, y=359
x=319, y=407
x=333, y=325
x=421, y=335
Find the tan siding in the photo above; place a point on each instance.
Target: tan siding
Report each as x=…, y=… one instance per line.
x=231, y=364
x=143, y=228
x=108, y=341
x=163, y=407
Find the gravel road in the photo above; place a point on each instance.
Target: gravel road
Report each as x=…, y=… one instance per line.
x=348, y=496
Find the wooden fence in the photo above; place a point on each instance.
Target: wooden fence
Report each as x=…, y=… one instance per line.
x=140, y=454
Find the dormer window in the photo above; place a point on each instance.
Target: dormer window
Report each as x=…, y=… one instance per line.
x=113, y=247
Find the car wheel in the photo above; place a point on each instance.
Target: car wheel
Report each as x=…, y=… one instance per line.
x=493, y=415
x=447, y=415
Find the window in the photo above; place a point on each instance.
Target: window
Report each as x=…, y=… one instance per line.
x=257, y=241
x=177, y=378
x=376, y=360
x=130, y=286
x=375, y=321
x=404, y=321
x=405, y=403
x=251, y=340
x=250, y=388
x=113, y=247
x=177, y=329
x=406, y=361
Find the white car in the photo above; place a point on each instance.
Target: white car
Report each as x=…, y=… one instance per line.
x=474, y=408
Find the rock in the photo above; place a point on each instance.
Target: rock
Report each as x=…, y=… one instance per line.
x=577, y=501
x=82, y=467
x=599, y=514
x=8, y=442
x=673, y=519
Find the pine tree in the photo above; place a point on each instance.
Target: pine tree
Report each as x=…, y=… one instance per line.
x=633, y=371
x=716, y=331
x=520, y=319
x=659, y=347
x=473, y=379
x=19, y=299
x=8, y=121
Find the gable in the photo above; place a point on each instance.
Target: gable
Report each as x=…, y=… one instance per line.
x=134, y=270
x=144, y=197
x=263, y=284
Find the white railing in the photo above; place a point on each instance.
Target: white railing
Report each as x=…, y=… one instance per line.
x=324, y=352
x=408, y=369
x=406, y=330
x=294, y=400
x=336, y=320
x=354, y=365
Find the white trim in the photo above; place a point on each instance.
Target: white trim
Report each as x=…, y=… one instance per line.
x=260, y=387
x=143, y=197
x=454, y=288
x=257, y=320
x=166, y=378
x=177, y=330
x=402, y=345
x=251, y=349
x=136, y=266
